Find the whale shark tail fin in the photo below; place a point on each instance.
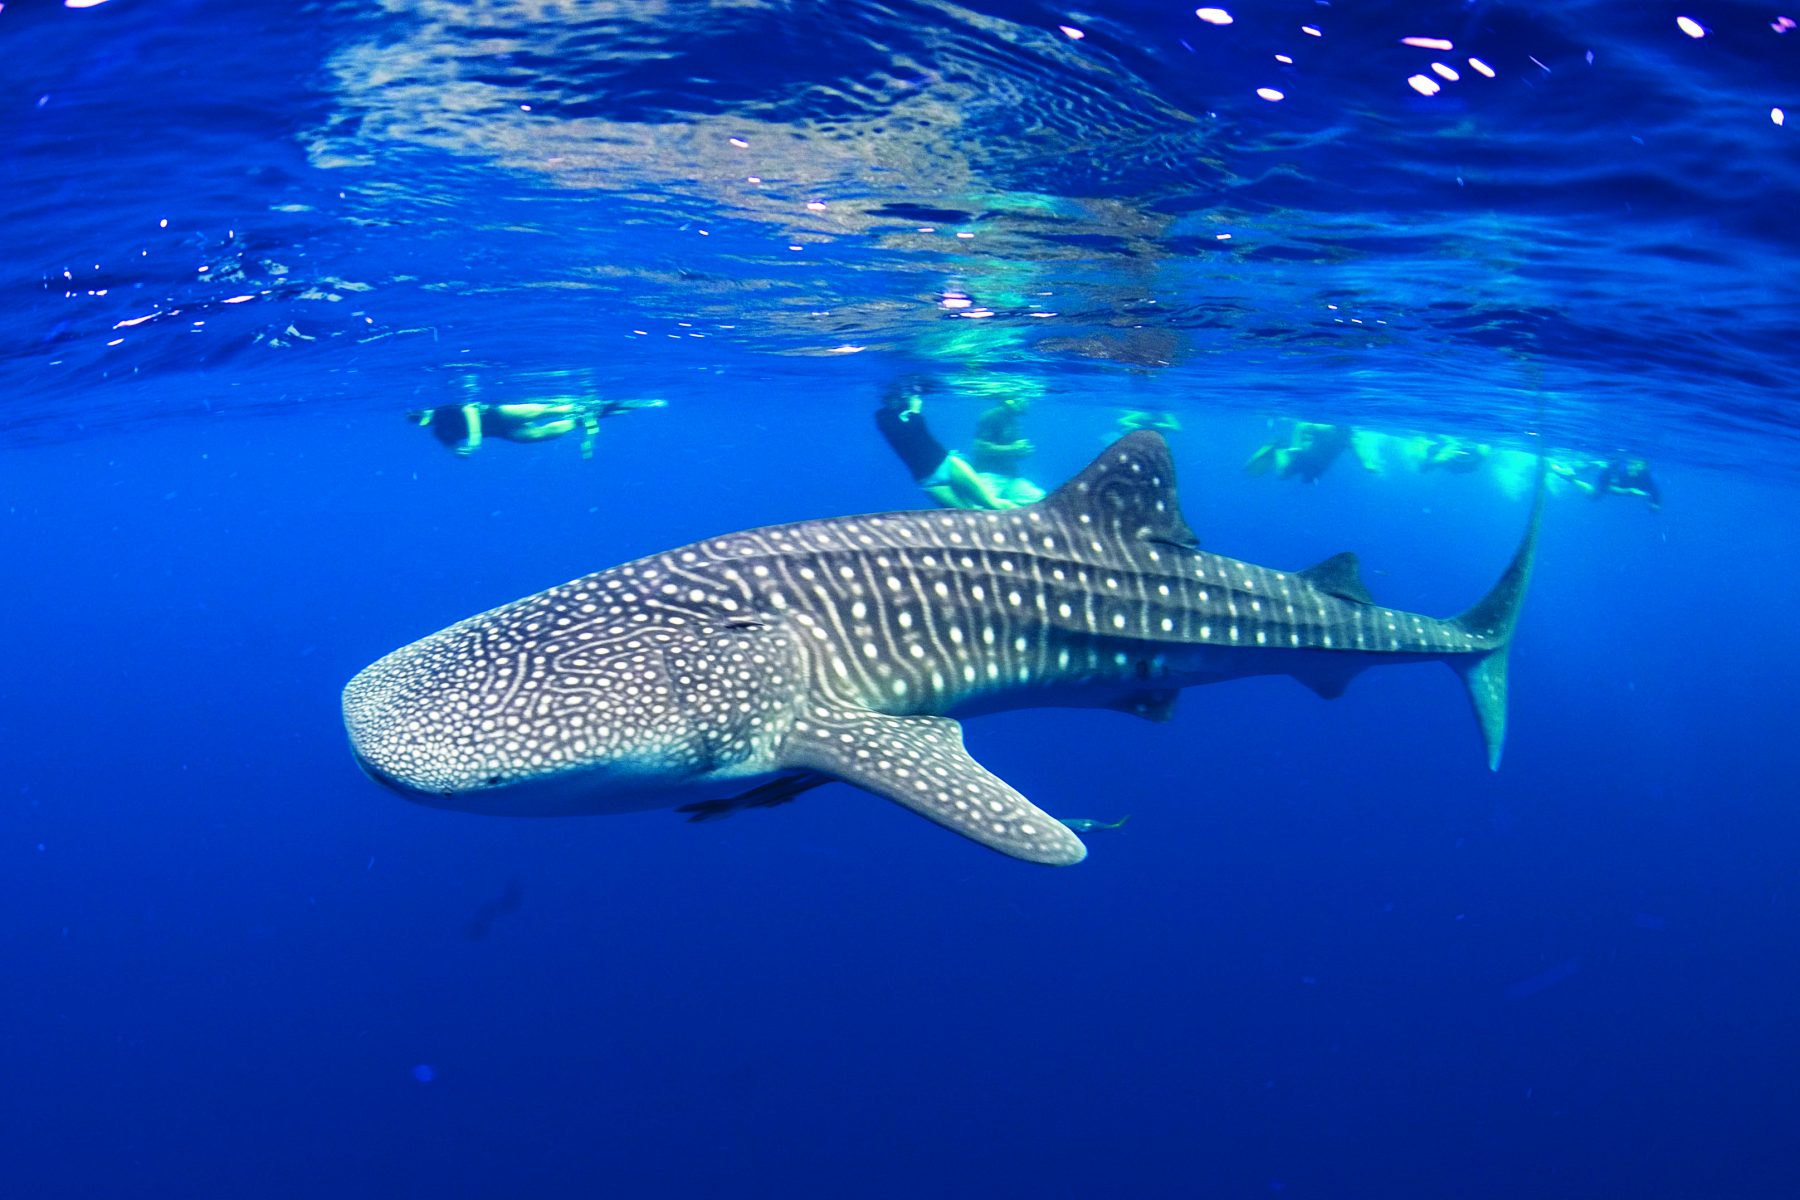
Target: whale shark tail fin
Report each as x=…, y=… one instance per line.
x=1491, y=620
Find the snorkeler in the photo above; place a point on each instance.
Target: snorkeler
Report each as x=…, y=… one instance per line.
x=1001, y=445
x=1628, y=477
x=463, y=427
x=944, y=475
x=1453, y=454
x=1310, y=450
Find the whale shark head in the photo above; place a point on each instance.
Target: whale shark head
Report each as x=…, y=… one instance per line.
x=516, y=712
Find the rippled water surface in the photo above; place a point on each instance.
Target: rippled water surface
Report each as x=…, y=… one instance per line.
x=325, y=204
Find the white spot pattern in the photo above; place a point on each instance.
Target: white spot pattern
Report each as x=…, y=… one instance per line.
x=685, y=665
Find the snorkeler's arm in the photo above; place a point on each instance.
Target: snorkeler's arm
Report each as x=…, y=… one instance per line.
x=472, y=420
x=1018, y=448
x=997, y=434
x=590, y=429
x=1571, y=471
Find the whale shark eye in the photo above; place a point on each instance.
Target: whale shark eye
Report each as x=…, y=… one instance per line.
x=493, y=781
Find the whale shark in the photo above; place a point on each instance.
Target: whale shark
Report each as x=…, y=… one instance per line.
x=742, y=670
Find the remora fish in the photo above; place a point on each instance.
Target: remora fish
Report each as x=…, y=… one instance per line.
x=840, y=649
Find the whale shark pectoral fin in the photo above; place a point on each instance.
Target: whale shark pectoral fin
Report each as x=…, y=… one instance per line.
x=919, y=763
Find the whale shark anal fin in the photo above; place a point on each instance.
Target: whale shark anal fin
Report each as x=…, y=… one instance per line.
x=920, y=763
x=1328, y=677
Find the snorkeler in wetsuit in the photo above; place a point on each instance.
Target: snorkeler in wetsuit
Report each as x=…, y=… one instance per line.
x=463, y=427
x=1310, y=451
x=1628, y=477
x=944, y=475
x=1001, y=446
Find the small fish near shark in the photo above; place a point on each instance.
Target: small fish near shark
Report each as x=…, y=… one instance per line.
x=1091, y=824
x=743, y=670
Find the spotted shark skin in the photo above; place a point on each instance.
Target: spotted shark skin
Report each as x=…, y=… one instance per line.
x=844, y=648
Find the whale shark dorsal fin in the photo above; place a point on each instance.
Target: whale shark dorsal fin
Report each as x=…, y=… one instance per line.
x=919, y=763
x=1340, y=576
x=1130, y=487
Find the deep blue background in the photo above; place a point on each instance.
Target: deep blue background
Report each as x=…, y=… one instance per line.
x=1330, y=953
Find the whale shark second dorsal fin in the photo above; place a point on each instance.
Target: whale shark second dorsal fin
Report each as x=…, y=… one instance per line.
x=1130, y=489
x=1340, y=576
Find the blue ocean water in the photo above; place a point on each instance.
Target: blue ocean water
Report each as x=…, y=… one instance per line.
x=1329, y=955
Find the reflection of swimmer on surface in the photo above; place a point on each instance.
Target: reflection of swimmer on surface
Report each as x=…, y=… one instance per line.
x=1001, y=446
x=1310, y=450
x=944, y=475
x=1089, y=824
x=463, y=427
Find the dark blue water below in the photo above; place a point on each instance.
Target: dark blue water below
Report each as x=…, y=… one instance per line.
x=1329, y=953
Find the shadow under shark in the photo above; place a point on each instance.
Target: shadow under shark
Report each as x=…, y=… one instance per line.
x=789, y=656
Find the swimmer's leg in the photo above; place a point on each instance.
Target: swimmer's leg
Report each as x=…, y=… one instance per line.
x=540, y=431
x=472, y=423
x=970, y=489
